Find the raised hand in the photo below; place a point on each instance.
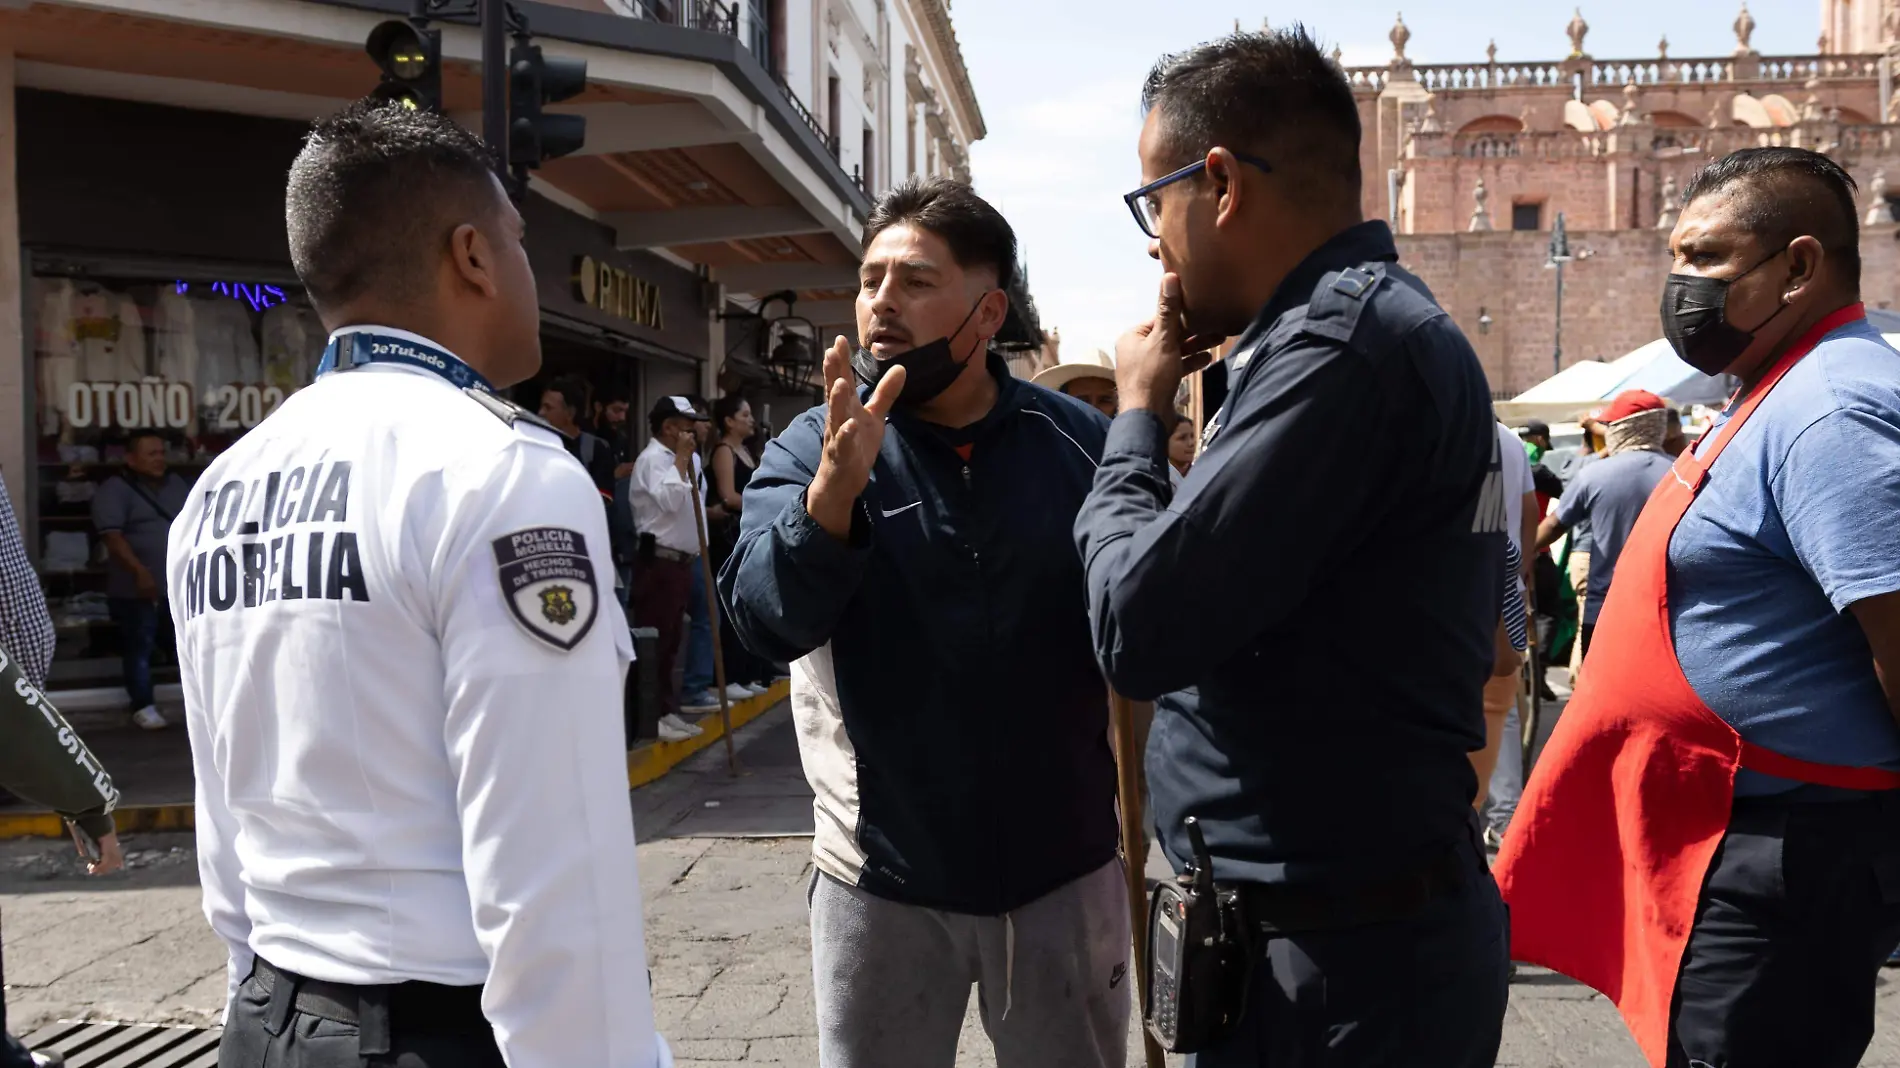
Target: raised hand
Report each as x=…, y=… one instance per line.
x=854, y=431
x=1151, y=359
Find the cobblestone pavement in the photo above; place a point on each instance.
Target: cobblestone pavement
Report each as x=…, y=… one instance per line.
x=724, y=866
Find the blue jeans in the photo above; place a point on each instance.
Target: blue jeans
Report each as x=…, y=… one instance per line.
x=138, y=634
x=1507, y=779
x=699, y=649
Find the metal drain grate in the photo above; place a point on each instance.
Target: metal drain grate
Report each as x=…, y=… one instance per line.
x=117, y=1045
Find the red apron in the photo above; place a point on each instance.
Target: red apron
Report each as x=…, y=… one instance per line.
x=1604, y=864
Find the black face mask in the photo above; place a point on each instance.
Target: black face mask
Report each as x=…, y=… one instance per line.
x=929, y=369
x=1695, y=319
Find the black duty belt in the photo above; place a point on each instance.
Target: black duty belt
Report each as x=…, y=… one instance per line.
x=1278, y=909
x=426, y=1007
x=664, y=553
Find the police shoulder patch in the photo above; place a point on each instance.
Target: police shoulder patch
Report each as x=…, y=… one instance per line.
x=547, y=578
x=508, y=411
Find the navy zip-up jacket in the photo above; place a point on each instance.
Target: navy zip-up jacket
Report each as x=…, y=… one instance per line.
x=951, y=716
x=1315, y=608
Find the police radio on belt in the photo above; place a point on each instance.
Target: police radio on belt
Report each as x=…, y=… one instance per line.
x=1198, y=956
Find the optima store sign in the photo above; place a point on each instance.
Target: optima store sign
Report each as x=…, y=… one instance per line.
x=618, y=293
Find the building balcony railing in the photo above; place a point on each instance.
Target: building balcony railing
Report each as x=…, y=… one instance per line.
x=692, y=14
x=1615, y=73
x=749, y=25
x=1837, y=139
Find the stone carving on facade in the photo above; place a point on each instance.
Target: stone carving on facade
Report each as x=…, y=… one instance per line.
x=1811, y=110
x=1721, y=112
x=1879, y=211
x=1527, y=117
x=1744, y=31
x=1662, y=48
x=1631, y=98
x=1480, y=216
x=832, y=30
x=1577, y=29
x=1400, y=66
x=1430, y=124
x=1890, y=24
x=1666, y=218
x=1491, y=52
x=1338, y=58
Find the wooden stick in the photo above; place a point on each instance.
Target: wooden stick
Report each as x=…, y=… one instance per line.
x=1121, y=717
x=712, y=618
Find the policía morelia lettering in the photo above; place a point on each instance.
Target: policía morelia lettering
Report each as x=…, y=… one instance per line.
x=283, y=536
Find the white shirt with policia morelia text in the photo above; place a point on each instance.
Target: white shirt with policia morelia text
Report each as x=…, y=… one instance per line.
x=403, y=771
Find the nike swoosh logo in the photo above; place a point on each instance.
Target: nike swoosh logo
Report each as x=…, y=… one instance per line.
x=1115, y=977
x=900, y=511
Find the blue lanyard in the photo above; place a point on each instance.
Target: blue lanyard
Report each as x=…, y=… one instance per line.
x=349, y=350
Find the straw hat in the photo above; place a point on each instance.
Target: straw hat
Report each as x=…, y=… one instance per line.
x=1096, y=364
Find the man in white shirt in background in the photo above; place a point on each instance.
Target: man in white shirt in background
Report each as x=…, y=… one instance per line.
x=403, y=667
x=1500, y=764
x=669, y=544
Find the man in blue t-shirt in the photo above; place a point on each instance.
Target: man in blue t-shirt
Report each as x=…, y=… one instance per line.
x=1784, y=609
x=1609, y=494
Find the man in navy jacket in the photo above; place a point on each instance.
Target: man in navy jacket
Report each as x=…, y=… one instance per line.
x=907, y=548
x=1352, y=473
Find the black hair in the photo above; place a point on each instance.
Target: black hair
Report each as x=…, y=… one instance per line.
x=132, y=437
x=374, y=194
x=727, y=407
x=976, y=232
x=1273, y=95
x=572, y=389
x=1785, y=193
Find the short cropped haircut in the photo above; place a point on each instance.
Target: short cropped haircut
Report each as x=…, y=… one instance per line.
x=133, y=438
x=1274, y=95
x=373, y=196
x=572, y=389
x=977, y=233
x=1785, y=193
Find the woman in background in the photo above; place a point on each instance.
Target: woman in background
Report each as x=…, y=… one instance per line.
x=1181, y=449
x=732, y=467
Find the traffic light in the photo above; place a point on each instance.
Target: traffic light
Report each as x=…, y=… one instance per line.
x=533, y=81
x=411, y=60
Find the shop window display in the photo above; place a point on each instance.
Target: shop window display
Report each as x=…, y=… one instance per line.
x=198, y=360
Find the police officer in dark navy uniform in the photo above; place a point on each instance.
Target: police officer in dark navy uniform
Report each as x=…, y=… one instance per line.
x=1350, y=475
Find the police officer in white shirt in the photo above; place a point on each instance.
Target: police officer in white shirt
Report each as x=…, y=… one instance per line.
x=401, y=661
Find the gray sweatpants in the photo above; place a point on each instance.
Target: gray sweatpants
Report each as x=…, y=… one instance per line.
x=1053, y=978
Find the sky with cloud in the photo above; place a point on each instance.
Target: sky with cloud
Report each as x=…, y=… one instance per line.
x=1059, y=82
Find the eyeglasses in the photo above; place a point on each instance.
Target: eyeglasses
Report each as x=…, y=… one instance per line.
x=1147, y=214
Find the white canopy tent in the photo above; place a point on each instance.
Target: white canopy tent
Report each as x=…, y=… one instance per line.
x=1571, y=393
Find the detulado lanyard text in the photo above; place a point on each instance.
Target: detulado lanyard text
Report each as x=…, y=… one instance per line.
x=362, y=347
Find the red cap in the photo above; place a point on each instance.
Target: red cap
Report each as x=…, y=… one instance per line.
x=1630, y=402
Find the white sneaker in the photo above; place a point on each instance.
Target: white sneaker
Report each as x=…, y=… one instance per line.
x=148, y=719
x=758, y=689
x=737, y=692
x=675, y=729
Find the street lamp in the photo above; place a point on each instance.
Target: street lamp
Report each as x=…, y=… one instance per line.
x=1559, y=255
x=1484, y=321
